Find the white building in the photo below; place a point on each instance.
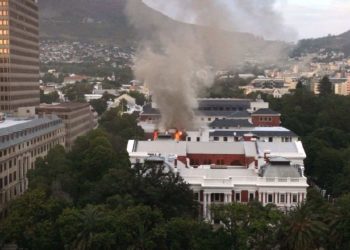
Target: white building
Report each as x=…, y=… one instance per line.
x=222, y=172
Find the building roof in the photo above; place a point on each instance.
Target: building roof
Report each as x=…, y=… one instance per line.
x=266, y=112
x=282, y=149
x=283, y=171
x=222, y=123
x=215, y=148
x=257, y=131
x=161, y=147
x=62, y=107
x=182, y=148
x=223, y=102
x=12, y=125
x=224, y=113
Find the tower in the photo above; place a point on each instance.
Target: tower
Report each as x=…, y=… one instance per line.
x=19, y=54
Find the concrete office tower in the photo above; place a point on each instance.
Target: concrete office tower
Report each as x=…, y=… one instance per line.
x=19, y=54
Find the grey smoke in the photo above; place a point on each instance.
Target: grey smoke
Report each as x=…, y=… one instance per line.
x=176, y=61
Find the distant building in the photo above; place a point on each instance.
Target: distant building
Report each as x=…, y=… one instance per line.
x=73, y=79
x=266, y=118
x=77, y=117
x=342, y=87
x=22, y=141
x=209, y=109
x=90, y=97
x=19, y=54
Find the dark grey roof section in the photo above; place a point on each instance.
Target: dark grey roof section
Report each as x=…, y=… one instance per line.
x=229, y=133
x=148, y=110
x=281, y=171
x=224, y=123
x=266, y=112
x=241, y=114
x=279, y=161
x=223, y=102
x=228, y=114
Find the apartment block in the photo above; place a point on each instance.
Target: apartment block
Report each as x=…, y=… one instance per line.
x=22, y=141
x=77, y=117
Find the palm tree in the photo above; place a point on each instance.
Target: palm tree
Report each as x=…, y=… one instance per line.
x=89, y=219
x=302, y=230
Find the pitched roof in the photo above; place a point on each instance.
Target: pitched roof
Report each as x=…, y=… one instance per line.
x=230, y=123
x=261, y=132
x=266, y=112
x=283, y=171
x=223, y=102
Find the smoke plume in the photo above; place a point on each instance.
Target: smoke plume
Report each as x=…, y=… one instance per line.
x=178, y=60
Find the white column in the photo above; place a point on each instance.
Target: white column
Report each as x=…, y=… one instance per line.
x=229, y=198
x=209, y=203
x=225, y=198
x=275, y=198
x=205, y=205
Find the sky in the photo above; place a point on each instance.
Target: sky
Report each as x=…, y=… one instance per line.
x=308, y=18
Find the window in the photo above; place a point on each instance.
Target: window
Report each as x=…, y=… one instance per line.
x=198, y=139
x=188, y=138
x=270, y=139
x=225, y=138
x=282, y=198
x=217, y=197
x=209, y=119
x=269, y=198
x=251, y=196
x=196, y=196
x=238, y=197
x=295, y=198
x=216, y=138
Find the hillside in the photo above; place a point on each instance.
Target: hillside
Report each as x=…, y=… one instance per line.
x=102, y=20
x=329, y=44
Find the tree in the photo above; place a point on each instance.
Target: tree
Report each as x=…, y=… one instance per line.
x=49, y=98
x=340, y=224
x=53, y=174
x=302, y=230
x=139, y=97
x=299, y=85
x=249, y=226
x=325, y=87
x=86, y=229
x=76, y=92
x=99, y=105
x=31, y=221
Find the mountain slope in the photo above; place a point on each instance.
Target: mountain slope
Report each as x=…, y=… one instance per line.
x=105, y=20
x=85, y=20
x=340, y=43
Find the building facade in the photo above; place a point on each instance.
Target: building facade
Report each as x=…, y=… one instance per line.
x=225, y=172
x=19, y=54
x=22, y=141
x=77, y=117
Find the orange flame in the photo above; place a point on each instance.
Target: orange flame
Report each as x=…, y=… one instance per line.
x=178, y=135
x=155, y=135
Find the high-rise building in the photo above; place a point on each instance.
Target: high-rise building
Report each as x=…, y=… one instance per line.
x=19, y=54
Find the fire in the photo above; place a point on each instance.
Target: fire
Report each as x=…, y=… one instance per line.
x=155, y=135
x=178, y=135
